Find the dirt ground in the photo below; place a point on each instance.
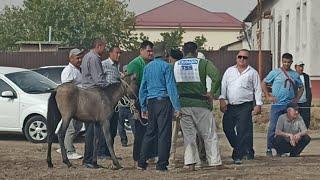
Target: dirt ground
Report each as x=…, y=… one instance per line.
x=20, y=159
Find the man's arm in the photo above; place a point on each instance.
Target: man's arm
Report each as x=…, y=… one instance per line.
x=172, y=88
x=266, y=92
x=257, y=93
x=214, y=75
x=143, y=93
x=97, y=73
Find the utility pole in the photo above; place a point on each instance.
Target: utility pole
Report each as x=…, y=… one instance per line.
x=259, y=39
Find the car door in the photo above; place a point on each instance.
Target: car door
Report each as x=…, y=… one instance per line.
x=9, y=109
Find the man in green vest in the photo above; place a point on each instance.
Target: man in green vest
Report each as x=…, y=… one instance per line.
x=196, y=102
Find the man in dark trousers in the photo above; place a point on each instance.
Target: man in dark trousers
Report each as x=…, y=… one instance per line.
x=157, y=95
x=306, y=97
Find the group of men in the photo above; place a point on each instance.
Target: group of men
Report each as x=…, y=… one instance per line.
x=176, y=82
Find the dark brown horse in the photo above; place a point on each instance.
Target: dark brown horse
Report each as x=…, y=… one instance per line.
x=94, y=105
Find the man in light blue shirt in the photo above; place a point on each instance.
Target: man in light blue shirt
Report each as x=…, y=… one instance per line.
x=158, y=94
x=286, y=87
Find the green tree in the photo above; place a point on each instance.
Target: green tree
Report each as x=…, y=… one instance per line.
x=200, y=41
x=173, y=39
x=73, y=22
x=134, y=41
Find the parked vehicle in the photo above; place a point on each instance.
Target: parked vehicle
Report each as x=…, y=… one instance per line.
x=23, y=102
x=51, y=72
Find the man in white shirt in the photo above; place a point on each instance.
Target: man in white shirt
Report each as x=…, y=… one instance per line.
x=240, y=87
x=71, y=73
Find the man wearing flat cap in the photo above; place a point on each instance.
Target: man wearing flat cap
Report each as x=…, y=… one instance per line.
x=291, y=133
x=306, y=97
x=71, y=73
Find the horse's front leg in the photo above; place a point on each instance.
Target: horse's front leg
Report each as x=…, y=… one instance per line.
x=105, y=125
x=61, y=136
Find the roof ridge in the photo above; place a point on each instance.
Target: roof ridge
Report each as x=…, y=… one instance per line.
x=173, y=2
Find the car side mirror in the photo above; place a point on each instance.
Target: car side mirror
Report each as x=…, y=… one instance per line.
x=7, y=94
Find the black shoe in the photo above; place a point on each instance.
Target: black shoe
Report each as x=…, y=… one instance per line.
x=164, y=169
x=250, y=156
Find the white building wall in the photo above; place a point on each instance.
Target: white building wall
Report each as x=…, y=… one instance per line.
x=300, y=38
x=216, y=38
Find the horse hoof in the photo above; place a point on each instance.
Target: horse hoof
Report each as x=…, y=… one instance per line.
x=50, y=165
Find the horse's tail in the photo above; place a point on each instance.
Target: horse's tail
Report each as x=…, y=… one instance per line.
x=53, y=118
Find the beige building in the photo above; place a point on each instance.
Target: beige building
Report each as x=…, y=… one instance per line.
x=217, y=27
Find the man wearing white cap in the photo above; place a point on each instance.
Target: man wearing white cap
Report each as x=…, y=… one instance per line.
x=306, y=98
x=71, y=73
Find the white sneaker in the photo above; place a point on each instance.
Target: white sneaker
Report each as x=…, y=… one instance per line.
x=74, y=155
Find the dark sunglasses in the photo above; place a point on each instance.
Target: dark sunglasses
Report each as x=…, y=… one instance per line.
x=244, y=57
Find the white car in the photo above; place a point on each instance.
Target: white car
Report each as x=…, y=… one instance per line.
x=23, y=102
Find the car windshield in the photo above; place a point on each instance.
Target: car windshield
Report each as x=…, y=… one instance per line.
x=31, y=82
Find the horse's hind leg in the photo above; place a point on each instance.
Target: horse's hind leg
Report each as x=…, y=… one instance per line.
x=49, y=140
x=105, y=125
x=61, y=136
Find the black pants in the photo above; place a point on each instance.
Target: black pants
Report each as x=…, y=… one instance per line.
x=103, y=148
x=140, y=130
x=159, y=130
x=282, y=145
x=89, y=142
x=304, y=110
x=239, y=117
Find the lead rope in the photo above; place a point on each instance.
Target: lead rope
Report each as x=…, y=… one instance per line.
x=127, y=102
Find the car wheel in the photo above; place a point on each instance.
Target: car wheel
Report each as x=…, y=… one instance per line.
x=35, y=129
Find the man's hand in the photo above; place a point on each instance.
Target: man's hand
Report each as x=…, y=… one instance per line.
x=223, y=105
x=257, y=110
x=297, y=137
x=292, y=141
x=209, y=98
x=144, y=115
x=177, y=114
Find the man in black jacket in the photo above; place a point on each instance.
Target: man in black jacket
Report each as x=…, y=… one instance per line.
x=306, y=98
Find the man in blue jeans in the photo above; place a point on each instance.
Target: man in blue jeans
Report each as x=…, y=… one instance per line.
x=286, y=87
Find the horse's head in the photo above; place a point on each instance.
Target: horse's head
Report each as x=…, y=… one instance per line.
x=129, y=82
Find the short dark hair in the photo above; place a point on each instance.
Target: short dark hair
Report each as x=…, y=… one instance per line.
x=112, y=48
x=190, y=47
x=245, y=50
x=287, y=56
x=176, y=54
x=98, y=41
x=145, y=44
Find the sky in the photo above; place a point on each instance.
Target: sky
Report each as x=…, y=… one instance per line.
x=237, y=8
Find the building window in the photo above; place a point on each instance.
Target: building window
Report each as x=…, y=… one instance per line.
x=304, y=24
x=286, y=36
x=298, y=27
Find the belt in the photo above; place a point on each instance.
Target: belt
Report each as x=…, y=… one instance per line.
x=159, y=98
